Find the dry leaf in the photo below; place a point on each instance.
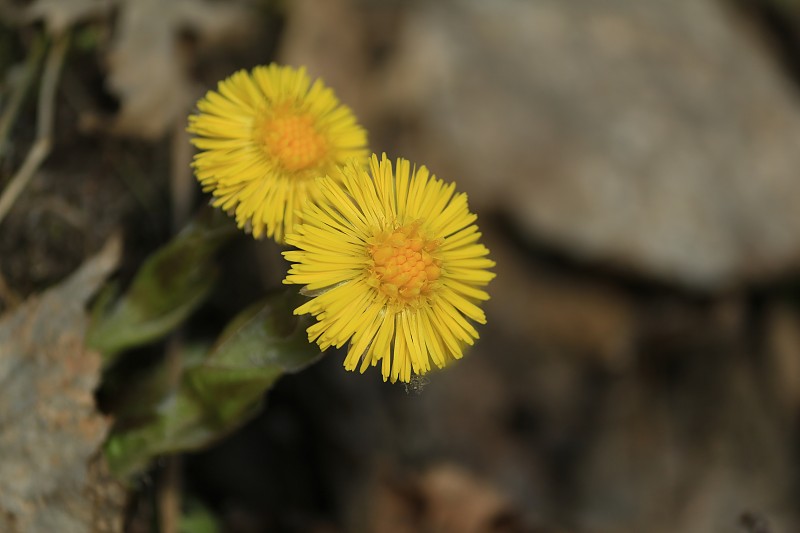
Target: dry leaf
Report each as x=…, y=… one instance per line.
x=458, y=501
x=330, y=39
x=783, y=337
x=58, y=15
x=146, y=69
x=656, y=137
x=50, y=477
x=445, y=498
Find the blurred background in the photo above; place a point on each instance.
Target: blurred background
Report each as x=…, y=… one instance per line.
x=634, y=165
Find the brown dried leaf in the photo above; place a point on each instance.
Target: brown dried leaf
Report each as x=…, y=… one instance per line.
x=50, y=477
x=146, y=69
x=445, y=498
x=458, y=501
x=783, y=336
x=58, y=15
x=330, y=39
x=656, y=137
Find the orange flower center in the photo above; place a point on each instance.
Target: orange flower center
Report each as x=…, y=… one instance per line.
x=293, y=140
x=405, y=266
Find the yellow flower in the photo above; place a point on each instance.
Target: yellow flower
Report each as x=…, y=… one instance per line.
x=265, y=136
x=395, y=266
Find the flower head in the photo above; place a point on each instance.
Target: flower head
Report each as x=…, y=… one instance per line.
x=395, y=266
x=265, y=136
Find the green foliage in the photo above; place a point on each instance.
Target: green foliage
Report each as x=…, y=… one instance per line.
x=171, y=284
x=219, y=392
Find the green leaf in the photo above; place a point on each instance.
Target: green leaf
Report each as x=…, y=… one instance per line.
x=137, y=389
x=171, y=284
x=222, y=391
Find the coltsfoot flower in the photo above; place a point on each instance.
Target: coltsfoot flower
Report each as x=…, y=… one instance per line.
x=265, y=136
x=395, y=268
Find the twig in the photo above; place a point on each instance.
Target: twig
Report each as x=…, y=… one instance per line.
x=44, y=125
x=181, y=182
x=20, y=92
x=169, y=493
x=169, y=496
x=169, y=500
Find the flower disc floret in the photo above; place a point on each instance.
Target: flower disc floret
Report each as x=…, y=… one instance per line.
x=293, y=141
x=404, y=265
x=394, y=267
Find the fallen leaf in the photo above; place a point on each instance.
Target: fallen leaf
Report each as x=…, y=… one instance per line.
x=58, y=15
x=657, y=138
x=330, y=39
x=444, y=498
x=459, y=501
x=783, y=360
x=146, y=69
x=51, y=477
